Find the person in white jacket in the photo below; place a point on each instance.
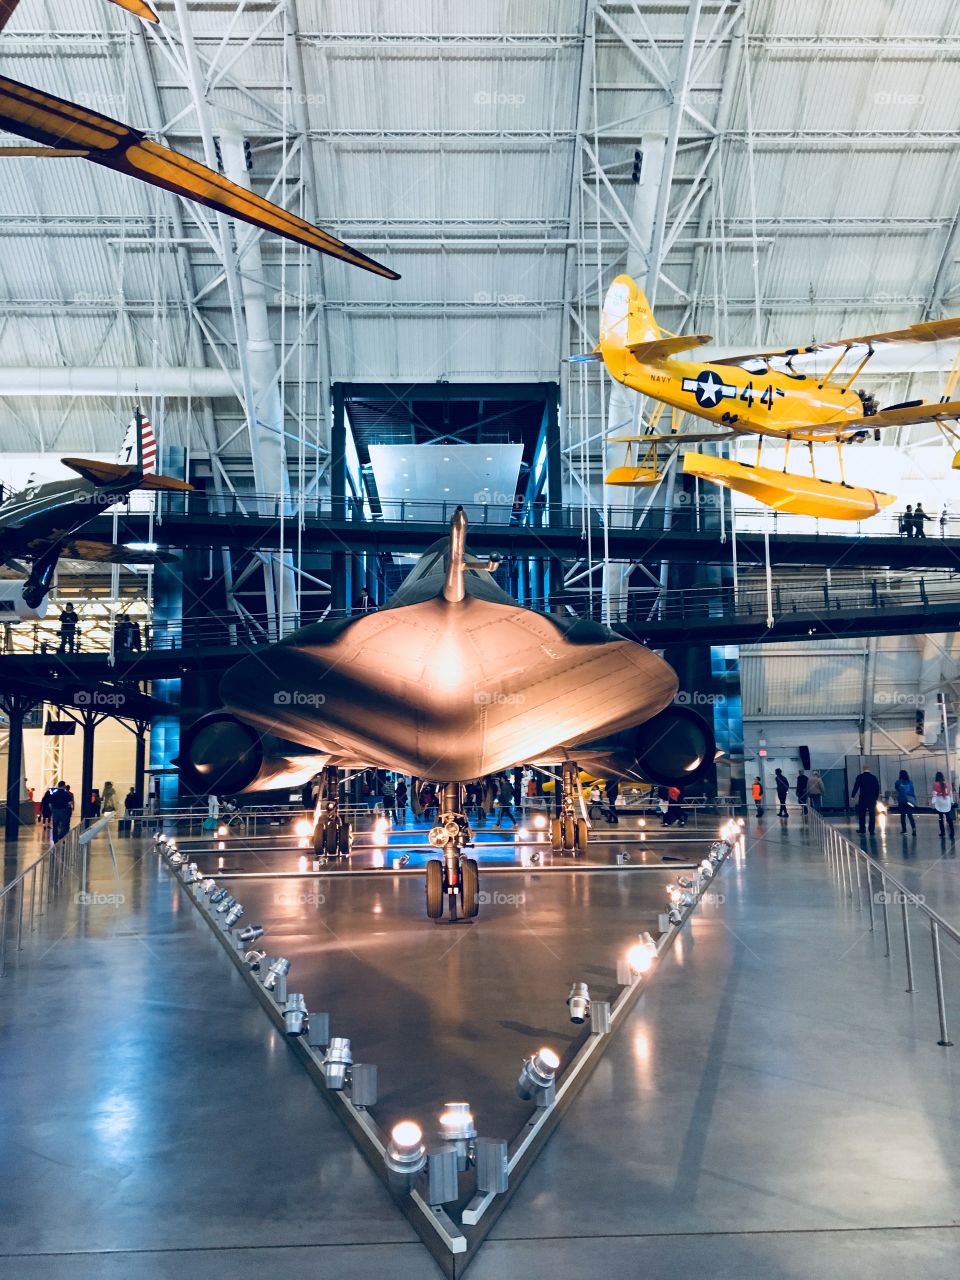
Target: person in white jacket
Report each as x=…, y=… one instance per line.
x=942, y=801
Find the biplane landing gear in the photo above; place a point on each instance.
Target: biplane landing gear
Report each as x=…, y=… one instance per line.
x=568, y=832
x=331, y=833
x=456, y=877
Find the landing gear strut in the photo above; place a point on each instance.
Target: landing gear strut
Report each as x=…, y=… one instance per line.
x=568, y=831
x=331, y=833
x=456, y=877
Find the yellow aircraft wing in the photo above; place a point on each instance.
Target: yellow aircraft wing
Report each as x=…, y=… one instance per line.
x=928, y=331
x=58, y=124
x=138, y=9
x=897, y=415
x=674, y=437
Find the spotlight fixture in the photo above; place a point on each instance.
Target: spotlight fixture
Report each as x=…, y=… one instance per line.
x=405, y=1155
x=535, y=857
x=706, y=868
x=221, y=830
x=404, y=860
x=233, y=915
x=539, y=821
x=253, y=959
x=578, y=1002
x=207, y=886
x=537, y=1077
x=458, y=1129
x=642, y=954
x=225, y=905
x=337, y=1062
x=217, y=896
x=176, y=858
x=674, y=916
x=278, y=969
x=295, y=1015
x=684, y=882
x=251, y=933
x=303, y=827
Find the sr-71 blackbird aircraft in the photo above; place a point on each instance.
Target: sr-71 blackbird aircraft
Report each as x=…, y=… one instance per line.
x=451, y=680
x=41, y=522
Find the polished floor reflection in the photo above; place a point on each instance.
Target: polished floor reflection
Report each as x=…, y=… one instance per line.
x=776, y=1106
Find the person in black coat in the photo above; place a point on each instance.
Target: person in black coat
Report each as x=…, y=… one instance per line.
x=783, y=786
x=866, y=792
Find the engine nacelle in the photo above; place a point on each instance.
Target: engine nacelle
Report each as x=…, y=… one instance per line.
x=221, y=755
x=676, y=747
x=672, y=749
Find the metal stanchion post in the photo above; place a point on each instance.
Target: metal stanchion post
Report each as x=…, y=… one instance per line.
x=23, y=885
x=856, y=862
x=944, y=1040
x=33, y=895
x=3, y=935
x=869, y=870
x=906, y=942
x=886, y=918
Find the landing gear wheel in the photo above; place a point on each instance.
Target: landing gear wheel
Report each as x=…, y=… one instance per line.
x=343, y=839
x=469, y=887
x=434, y=889
x=582, y=834
x=556, y=834
x=569, y=832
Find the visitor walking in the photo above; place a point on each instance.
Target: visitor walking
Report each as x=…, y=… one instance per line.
x=866, y=792
x=906, y=801
x=803, y=790
x=942, y=801
x=783, y=786
x=815, y=790
x=757, y=792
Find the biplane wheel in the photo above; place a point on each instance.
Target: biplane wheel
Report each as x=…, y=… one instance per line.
x=569, y=832
x=556, y=833
x=343, y=839
x=582, y=834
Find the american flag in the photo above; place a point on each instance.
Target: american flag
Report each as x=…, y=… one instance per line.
x=131, y=455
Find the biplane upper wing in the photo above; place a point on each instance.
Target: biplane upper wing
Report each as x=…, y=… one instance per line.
x=928, y=331
x=138, y=9
x=60, y=125
x=107, y=473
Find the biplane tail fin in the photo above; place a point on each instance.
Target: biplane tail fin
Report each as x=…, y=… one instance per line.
x=626, y=319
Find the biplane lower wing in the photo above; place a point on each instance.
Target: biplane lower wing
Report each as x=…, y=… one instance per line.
x=112, y=473
x=111, y=553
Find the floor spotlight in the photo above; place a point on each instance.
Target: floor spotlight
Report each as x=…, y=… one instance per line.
x=303, y=827
x=405, y=1155
x=221, y=830
x=278, y=969
x=578, y=1002
x=706, y=868
x=539, y=821
x=674, y=916
x=253, y=959
x=251, y=933
x=295, y=1015
x=208, y=886
x=537, y=1077
x=224, y=906
x=233, y=915
x=218, y=895
x=642, y=954
x=457, y=1127
x=336, y=1062
x=176, y=858
x=404, y=860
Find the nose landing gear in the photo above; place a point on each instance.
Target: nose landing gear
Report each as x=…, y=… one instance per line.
x=331, y=832
x=569, y=832
x=455, y=878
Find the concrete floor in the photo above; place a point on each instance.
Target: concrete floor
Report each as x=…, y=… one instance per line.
x=776, y=1106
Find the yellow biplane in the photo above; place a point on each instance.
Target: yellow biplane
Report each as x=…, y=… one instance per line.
x=762, y=394
x=67, y=130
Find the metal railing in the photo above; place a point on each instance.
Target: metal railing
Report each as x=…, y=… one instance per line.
x=640, y=608
x=845, y=859
x=701, y=511
x=26, y=897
